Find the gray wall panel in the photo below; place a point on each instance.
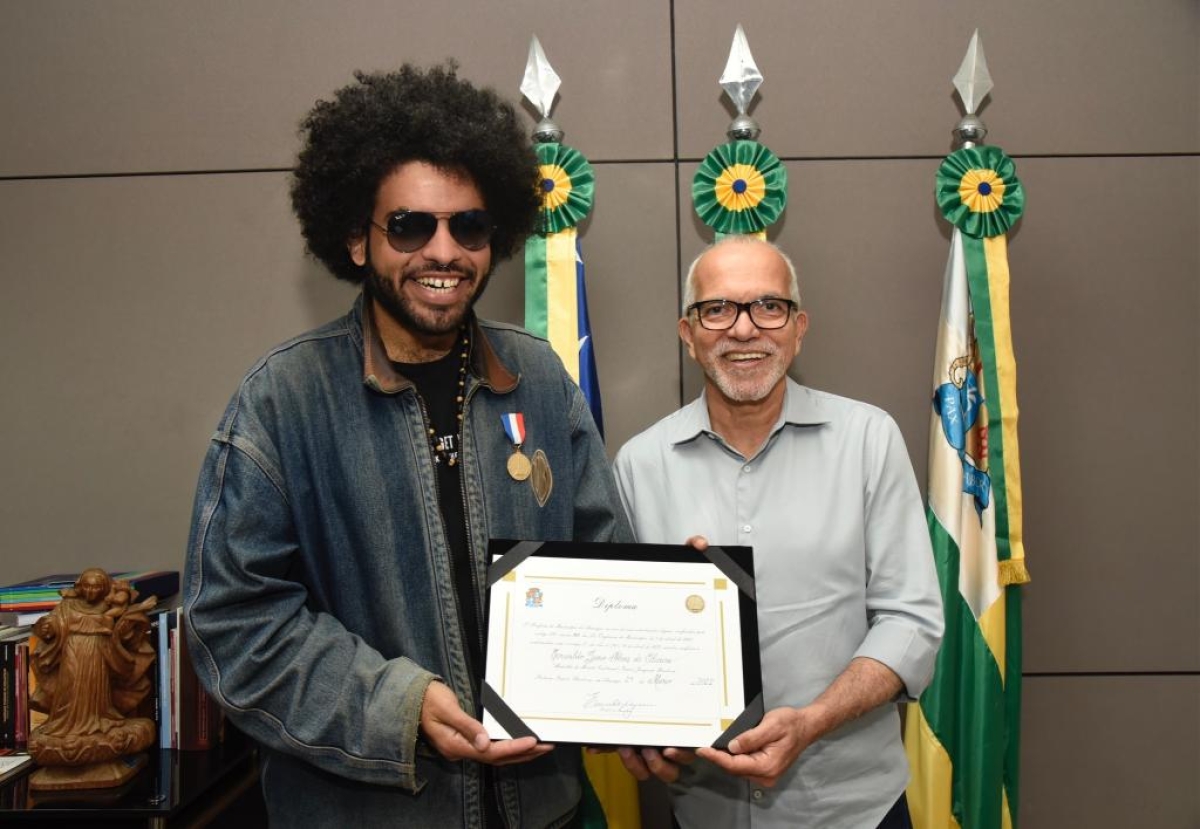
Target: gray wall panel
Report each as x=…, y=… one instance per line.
x=857, y=77
x=166, y=302
x=131, y=86
x=1110, y=752
x=130, y=310
x=1105, y=295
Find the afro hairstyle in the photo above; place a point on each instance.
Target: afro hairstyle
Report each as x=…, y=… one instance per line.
x=387, y=119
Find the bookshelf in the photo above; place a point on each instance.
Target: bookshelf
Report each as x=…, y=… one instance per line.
x=198, y=769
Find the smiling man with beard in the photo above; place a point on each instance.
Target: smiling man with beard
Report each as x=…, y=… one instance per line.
x=821, y=487
x=338, y=548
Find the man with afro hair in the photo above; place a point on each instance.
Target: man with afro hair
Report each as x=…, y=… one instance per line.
x=338, y=548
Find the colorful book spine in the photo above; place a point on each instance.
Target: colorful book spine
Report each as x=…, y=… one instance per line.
x=8, y=721
x=174, y=636
x=21, y=686
x=44, y=593
x=199, y=717
x=36, y=718
x=165, y=723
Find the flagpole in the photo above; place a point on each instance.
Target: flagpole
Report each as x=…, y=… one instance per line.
x=556, y=308
x=555, y=294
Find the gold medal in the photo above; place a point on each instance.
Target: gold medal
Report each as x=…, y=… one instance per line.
x=519, y=466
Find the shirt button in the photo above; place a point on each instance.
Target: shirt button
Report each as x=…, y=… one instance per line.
x=758, y=794
x=746, y=528
x=746, y=468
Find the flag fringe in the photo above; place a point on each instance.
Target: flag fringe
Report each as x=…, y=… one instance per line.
x=1013, y=571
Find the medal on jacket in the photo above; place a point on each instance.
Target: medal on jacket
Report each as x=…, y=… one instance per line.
x=519, y=466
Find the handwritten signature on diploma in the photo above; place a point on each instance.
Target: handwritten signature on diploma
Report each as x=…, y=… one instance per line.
x=625, y=708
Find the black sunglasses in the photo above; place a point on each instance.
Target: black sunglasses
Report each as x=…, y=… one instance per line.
x=410, y=230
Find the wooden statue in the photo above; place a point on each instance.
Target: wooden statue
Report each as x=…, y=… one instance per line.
x=90, y=663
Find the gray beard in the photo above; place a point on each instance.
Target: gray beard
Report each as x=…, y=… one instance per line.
x=745, y=392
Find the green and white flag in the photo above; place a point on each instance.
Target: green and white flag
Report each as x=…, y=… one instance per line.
x=963, y=737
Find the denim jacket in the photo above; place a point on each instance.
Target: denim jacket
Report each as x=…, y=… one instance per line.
x=319, y=594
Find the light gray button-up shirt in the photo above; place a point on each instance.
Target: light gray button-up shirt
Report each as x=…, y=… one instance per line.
x=843, y=568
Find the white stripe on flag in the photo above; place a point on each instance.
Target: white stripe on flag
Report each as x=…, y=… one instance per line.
x=978, y=575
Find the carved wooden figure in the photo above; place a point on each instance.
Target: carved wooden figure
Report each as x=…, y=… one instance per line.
x=91, y=665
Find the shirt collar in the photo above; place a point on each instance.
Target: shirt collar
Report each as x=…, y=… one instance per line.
x=800, y=408
x=379, y=373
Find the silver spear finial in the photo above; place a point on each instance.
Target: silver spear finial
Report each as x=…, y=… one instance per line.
x=973, y=83
x=540, y=85
x=740, y=80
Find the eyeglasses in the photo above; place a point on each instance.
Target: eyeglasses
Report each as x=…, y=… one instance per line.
x=410, y=230
x=722, y=314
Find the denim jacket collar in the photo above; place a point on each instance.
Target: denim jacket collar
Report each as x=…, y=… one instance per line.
x=379, y=372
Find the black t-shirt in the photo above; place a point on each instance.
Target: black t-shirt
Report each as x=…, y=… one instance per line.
x=437, y=386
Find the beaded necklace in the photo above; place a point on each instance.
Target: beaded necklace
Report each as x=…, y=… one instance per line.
x=440, y=450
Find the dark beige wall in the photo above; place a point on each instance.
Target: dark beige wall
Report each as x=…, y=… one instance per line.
x=148, y=256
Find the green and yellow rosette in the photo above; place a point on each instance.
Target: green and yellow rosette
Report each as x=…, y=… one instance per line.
x=555, y=305
x=740, y=188
x=567, y=187
x=978, y=191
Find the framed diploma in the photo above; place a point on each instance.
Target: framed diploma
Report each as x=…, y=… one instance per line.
x=621, y=644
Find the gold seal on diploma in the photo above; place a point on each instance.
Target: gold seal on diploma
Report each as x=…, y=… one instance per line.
x=694, y=603
x=519, y=466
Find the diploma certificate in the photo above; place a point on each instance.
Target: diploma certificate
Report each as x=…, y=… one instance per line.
x=621, y=644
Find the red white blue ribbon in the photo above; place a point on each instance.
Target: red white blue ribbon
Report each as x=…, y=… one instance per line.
x=514, y=427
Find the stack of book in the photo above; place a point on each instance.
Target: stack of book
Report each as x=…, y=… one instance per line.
x=186, y=717
x=26, y=602
x=14, y=688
